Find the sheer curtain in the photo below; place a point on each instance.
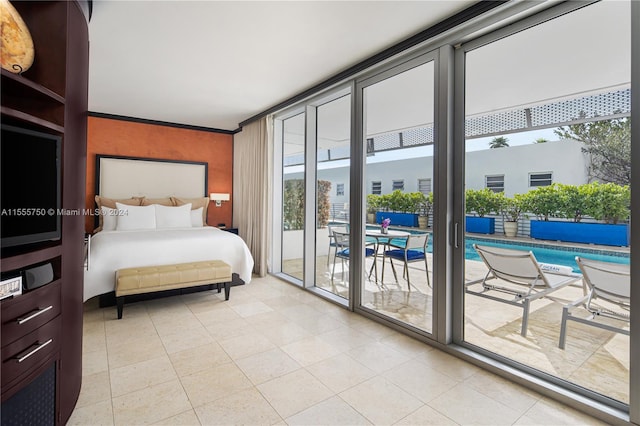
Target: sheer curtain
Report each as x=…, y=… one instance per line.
x=252, y=188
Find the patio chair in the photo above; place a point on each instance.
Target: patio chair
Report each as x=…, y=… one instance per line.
x=341, y=240
x=413, y=249
x=521, y=269
x=332, y=241
x=605, y=283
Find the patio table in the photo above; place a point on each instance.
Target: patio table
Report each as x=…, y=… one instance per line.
x=383, y=239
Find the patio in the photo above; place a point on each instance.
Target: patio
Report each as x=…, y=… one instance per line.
x=594, y=358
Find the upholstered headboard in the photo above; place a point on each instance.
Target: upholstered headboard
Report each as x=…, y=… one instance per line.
x=124, y=177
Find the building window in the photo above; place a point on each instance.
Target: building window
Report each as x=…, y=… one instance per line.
x=376, y=187
x=397, y=185
x=424, y=186
x=340, y=189
x=494, y=183
x=540, y=179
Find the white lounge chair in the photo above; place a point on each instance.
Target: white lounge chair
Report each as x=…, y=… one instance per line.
x=604, y=282
x=521, y=269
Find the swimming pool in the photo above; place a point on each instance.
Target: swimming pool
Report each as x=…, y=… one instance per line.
x=544, y=252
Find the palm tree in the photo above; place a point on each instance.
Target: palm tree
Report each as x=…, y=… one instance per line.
x=499, y=142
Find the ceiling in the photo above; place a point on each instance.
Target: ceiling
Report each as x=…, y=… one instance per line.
x=217, y=63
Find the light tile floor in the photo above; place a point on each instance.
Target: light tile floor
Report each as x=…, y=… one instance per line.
x=594, y=358
x=275, y=354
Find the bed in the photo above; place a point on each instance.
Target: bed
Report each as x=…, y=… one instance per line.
x=146, y=182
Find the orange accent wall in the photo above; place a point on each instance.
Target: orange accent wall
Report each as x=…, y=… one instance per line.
x=118, y=137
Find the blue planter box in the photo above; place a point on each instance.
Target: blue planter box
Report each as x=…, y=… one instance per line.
x=398, y=219
x=588, y=233
x=480, y=225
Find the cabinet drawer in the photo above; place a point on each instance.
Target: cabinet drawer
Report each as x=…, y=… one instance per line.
x=25, y=313
x=28, y=352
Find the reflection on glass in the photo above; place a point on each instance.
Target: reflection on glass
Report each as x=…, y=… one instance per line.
x=399, y=129
x=548, y=159
x=332, y=167
x=293, y=196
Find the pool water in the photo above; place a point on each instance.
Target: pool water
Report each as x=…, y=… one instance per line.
x=566, y=257
x=561, y=256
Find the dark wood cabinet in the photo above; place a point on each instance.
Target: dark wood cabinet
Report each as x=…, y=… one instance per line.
x=50, y=96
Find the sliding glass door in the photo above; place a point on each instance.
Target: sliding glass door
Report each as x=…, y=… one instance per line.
x=547, y=172
x=435, y=194
x=398, y=139
x=293, y=195
x=333, y=154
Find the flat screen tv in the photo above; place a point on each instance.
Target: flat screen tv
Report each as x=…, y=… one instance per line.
x=30, y=196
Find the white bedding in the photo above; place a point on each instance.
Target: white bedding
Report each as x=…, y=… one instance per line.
x=113, y=250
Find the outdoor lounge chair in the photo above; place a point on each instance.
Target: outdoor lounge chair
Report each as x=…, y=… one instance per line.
x=520, y=268
x=604, y=282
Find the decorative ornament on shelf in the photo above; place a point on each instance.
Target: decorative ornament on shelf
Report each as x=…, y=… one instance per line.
x=17, y=50
x=385, y=225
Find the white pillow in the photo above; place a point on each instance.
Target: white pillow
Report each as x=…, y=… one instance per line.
x=109, y=218
x=196, y=218
x=131, y=218
x=173, y=217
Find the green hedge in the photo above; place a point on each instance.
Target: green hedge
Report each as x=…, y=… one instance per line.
x=607, y=202
x=401, y=202
x=293, y=204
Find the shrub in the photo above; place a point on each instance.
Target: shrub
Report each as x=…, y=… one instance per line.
x=511, y=208
x=373, y=203
x=609, y=202
x=482, y=201
x=399, y=202
x=424, y=203
x=544, y=201
x=572, y=201
x=324, y=206
x=293, y=204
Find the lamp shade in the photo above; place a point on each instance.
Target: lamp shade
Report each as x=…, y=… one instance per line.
x=215, y=196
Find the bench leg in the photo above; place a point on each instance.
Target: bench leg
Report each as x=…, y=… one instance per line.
x=227, y=290
x=120, y=303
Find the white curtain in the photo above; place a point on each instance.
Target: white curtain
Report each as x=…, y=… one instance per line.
x=252, y=188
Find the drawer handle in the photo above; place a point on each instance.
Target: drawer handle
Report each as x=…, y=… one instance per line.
x=38, y=346
x=34, y=314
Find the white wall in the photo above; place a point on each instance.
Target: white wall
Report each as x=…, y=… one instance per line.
x=564, y=159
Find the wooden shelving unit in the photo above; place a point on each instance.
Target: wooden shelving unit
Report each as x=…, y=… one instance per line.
x=50, y=96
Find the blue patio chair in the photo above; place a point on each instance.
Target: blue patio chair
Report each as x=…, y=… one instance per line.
x=409, y=250
x=341, y=241
x=344, y=228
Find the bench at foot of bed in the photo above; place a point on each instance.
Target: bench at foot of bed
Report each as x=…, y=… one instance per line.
x=149, y=279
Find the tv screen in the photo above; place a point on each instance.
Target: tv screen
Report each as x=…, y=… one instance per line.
x=30, y=185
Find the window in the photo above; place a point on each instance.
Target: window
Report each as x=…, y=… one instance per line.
x=424, y=186
x=376, y=187
x=540, y=179
x=397, y=185
x=494, y=183
x=340, y=189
